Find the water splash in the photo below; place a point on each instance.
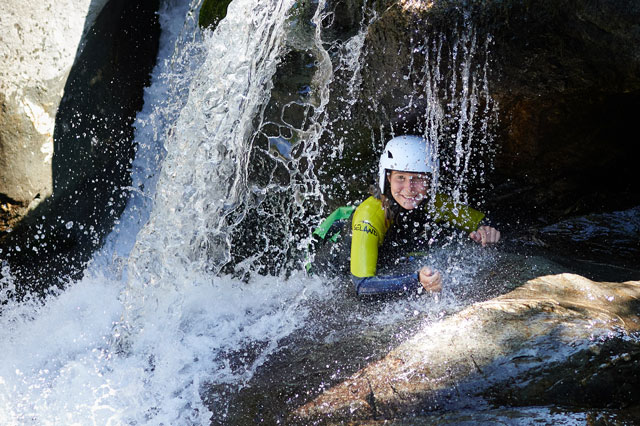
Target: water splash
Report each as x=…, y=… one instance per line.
x=180, y=55
x=288, y=194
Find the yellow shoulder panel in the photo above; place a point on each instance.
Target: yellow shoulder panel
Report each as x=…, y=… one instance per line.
x=368, y=229
x=459, y=215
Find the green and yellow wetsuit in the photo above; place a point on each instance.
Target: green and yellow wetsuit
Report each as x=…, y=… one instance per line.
x=369, y=228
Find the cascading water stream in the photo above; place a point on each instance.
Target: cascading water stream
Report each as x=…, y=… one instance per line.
x=65, y=364
x=453, y=83
x=203, y=176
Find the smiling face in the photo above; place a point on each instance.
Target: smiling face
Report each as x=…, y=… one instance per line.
x=409, y=189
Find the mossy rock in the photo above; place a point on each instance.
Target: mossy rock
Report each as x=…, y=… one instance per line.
x=211, y=12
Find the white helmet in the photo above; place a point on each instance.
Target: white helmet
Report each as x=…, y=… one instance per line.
x=407, y=153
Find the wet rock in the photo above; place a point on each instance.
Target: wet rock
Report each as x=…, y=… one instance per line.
x=567, y=82
x=547, y=415
x=93, y=148
x=565, y=76
x=39, y=44
x=211, y=12
x=603, y=376
x=557, y=339
x=595, y=239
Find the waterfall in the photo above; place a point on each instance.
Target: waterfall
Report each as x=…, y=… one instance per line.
x=152, y=322
x=203, y=176
x=460, y=113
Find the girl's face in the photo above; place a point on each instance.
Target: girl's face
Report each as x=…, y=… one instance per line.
x=409, y=189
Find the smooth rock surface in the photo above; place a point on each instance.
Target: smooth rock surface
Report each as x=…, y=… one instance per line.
x=93, y=149
x=523, y=343
x=38, y=44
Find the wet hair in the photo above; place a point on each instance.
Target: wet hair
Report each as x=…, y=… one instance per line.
x=389, y=204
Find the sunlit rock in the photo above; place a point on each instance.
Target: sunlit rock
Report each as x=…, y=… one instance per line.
x=91, y=148
x=553, y=340
x=40, y=41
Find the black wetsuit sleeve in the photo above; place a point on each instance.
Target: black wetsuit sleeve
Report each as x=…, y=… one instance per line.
x=378, y=285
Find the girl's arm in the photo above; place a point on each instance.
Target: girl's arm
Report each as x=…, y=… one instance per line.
x=368, y=229
x=377, y=285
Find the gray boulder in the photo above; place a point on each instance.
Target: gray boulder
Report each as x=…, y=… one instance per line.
x=559, y=339
x=39, y=45
x=93, y=148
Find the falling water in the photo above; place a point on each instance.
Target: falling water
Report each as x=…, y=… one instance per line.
x=461, y=114
x=151, y=323
x=200, y=282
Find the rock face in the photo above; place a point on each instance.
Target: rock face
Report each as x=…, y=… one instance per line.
x=93, y=147
x=39, y=44
x=516, y=349
x=211, y=12
x=570, y=81
x=565, y=77
x=554, y=89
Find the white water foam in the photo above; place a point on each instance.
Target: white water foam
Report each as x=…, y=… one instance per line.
x=58, y=365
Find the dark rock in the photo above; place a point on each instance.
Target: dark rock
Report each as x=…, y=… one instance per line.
x=612, y=238
x=566, y=79
x=604, y=376
x=211, y=12
x=93, y=148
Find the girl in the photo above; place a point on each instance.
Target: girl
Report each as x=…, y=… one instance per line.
x=399, y=219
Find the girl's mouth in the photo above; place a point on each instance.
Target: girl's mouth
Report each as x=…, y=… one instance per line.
x=414, y=198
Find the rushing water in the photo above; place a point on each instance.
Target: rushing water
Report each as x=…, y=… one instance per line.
x=161, y=330
x=153, y=324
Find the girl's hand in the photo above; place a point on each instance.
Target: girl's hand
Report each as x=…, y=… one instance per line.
x=430, y=279
x=485, y=235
